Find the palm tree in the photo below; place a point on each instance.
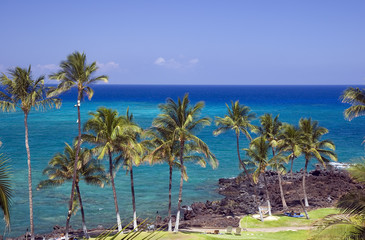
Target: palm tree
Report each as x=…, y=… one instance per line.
x=291, y=138
x=314, y=147
x=131, y=154
x=5, y=189
x=163, y=149
x=184, y=121
x=20, y=90
x=60, y=169
x=257, y=153
x=103, y=130
x=76, y=72
x=238, y=118
x=355, y=97
x=270, y=129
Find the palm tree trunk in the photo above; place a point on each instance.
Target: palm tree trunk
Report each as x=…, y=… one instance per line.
x=182, y=142
x=29, y=176
x=248, y=176
x=114, y=192
x=296, y=191
x=304, y=191
x=169, y=211
x=291, y=167
x=267, y=196
x=133, y=199
x=82, y=211
x=282, y=192
x=75, y=166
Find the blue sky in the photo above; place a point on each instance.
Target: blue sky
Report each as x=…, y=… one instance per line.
x=191, y=42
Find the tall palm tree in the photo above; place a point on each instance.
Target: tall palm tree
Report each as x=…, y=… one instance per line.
x=20, y=90
x=60, y=169
x=162, y=149
x=291, y=138
x=257, y=153
x=103, y=130
x=131, y=155
x=314, y=147
x=76, y=72
x=271, y=128
x=184, y=121
x=355, y=97
x=5, y=189
x=238, y=119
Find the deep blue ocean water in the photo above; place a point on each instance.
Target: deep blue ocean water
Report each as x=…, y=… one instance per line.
x=48, y=131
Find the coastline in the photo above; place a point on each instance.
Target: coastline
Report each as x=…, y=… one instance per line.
x=238, y=202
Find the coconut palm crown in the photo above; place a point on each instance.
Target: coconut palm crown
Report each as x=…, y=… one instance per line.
x=238, y=119
x=355, y=97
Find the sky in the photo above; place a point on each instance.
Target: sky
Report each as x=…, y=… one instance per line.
x=243, y=42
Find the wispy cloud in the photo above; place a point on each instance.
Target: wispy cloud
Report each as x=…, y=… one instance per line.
x=2, y=68
x=181, y=63
x=47, y=67
x=107, y=66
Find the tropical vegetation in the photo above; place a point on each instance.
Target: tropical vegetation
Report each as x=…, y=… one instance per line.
x=6, y=189
x=76, y=72
x=172, y=139
x=60, y=170
x=183, y=120
x=20, y=90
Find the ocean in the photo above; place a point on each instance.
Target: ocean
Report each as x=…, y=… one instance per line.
x=49, y=130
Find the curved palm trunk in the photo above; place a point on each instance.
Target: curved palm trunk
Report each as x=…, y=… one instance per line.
x=249, y=177
x=291, y=167
x=114, y=192
x=280, y=186
x=29, y=176
x=75, y=166
x=304, y=191
x=267, y=196
x=82, y=211
x=169, y=211
x=133, y=200
x=285, y=206
x=182, y=143
x=297, y=193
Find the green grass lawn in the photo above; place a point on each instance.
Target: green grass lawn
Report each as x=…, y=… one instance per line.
x=284, y=221
x=249, y=222
x=297, y=235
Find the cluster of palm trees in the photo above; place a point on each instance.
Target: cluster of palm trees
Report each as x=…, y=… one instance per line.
x=120, y=140
x=171, y=138
x=276, y=144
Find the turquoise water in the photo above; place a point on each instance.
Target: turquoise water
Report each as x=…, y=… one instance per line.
x=49, y=130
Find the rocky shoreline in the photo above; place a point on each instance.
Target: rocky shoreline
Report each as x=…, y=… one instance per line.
x=324, y=188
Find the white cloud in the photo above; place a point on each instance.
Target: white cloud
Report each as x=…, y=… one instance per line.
x=47, y=67
x=181, y=63
x=2, y=68
x=107, y=66
x=194, y=61
x=160, y=61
